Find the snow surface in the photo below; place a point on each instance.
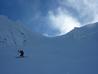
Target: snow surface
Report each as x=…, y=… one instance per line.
x=74, y=53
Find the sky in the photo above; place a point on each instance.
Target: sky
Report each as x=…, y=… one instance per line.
x=51, y=17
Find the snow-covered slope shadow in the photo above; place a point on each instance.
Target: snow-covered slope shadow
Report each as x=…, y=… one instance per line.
x=74, y=53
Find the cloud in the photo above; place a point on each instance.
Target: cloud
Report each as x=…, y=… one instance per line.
x=58, y=17
x=62, y=21
x=73, y=13
x=86, y=10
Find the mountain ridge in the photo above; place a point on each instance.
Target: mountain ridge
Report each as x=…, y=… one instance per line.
x=73, y=53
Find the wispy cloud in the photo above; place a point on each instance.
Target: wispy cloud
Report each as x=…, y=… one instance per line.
x=63, y=21
x=53, y=17
x=73, y=13
x=86, y=9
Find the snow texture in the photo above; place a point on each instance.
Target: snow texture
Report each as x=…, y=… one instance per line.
x=74, y=53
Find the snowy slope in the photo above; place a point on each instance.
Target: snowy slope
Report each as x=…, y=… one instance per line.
x=74, y=53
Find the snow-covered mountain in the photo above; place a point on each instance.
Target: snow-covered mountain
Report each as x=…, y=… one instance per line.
x=74, y=53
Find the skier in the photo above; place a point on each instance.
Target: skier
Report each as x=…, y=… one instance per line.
x=21, y=53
